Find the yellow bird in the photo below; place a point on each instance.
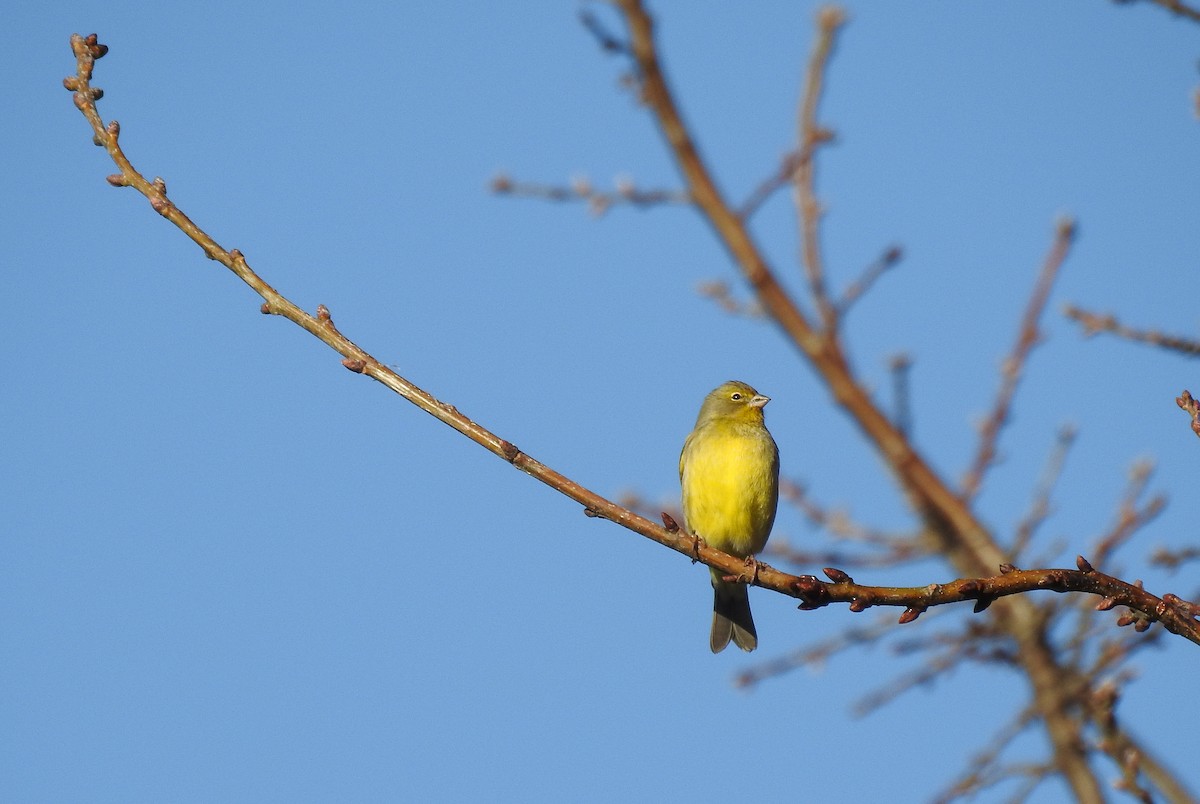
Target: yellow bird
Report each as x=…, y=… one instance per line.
x=729, y=473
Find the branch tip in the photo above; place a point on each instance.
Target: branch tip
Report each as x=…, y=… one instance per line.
x=830, y=18
x=669, y=523
x=1083, y=564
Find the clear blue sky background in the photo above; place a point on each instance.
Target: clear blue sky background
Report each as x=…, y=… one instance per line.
x=230, y=570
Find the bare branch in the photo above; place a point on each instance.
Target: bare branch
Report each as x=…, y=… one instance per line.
x=1093, y=323
x=1176, y=7
x=899, y=366
x=858, y=288
x=1039, y=509
x=1130, y=517
x=719, y=291
x=780, y=178
x=581, y=189
x=1172, y=559
x=816, y=654
x=984, y=769
x=1014, y=364
x=811, y=136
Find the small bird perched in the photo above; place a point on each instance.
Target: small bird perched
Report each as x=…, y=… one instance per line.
x=729, y=473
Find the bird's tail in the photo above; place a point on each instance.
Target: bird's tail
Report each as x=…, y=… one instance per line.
x=731, y=617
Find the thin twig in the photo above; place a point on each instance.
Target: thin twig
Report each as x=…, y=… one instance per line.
x=816, y=654
x=899, y=366
x=982, y=770
x=1014, y=364
x=1191, y=407
x=1176, y=7
x=1093, y=323
x=811, y=136
x=1039, y=508
x=1130, y=517
x=718, y=290
x=858, y=288
x=780, y=178
x=581, y=189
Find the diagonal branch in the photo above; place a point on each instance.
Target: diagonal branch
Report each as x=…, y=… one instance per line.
x=1014, y=364
x=1093, y=323
x=1177, y=7
x=810, y=591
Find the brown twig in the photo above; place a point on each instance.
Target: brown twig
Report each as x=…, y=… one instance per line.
x=598, y=202
x=835, y=521
x=1039, y=508
x=984, y=769
x=1014, y=364
x=817, y=653
x=858, y=288
x=1192, y=408
x=899, y=367
x=1173, y=559
x=719, y=291
x=780, y=178
x=1093, y=323
x=1129, y=516
x=1176, y=7
x=811, y=136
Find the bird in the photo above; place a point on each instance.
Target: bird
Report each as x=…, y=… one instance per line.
x=729, y=478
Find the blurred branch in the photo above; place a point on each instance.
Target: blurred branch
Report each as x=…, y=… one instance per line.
x=811, y=136
x=780, y=178
x=719, y=291
x=858, y=288
x=816, y=654
x=1130, y=517
x=1093, y=323
x=899, y=366
x=1176, y=7
x=1173, y=559
x=963, y=539
x=1014, y=364
x=984, y=769
x=1039, y=509
x=581, y=189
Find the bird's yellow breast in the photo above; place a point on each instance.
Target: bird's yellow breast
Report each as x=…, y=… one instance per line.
x=729, y=473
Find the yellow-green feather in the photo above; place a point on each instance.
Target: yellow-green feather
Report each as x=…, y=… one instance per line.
x=729, y=474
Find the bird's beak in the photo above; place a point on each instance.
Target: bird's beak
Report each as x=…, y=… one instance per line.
x=759, y=401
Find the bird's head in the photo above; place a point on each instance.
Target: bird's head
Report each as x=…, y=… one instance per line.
x=733, y=401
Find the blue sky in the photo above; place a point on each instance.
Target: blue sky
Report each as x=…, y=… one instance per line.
x=233, y=570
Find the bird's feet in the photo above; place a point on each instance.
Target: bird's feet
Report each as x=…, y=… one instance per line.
x=697, y=543
x=752, y=565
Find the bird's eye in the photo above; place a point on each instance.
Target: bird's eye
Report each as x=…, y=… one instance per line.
x=735, y=396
